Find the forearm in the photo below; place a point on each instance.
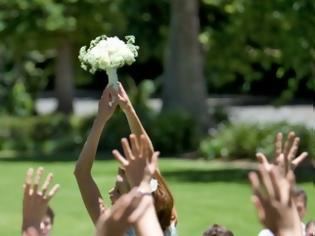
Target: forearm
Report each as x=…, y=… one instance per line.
x=135, y=124
x=88, y=153
x=148, y=223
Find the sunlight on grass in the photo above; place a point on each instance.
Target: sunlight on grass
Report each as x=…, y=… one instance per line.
x=201, y=198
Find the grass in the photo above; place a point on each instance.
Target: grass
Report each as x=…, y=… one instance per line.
x=205, y=193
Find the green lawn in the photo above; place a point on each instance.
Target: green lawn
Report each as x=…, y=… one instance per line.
x=205, y=193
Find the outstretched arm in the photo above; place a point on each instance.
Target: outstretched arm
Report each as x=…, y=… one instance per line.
x=272, y=197
x=139, y=166
x=134, y=122
x=90, y=193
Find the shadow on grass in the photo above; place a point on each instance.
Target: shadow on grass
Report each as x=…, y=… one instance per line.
x=60, y=157
x=238, y=175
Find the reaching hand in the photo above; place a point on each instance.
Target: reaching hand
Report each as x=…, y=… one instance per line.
x=125, y=212
x=274, y=202
x=284, y=154
x=139, y=165
x=35, y=200
x=108, y=102
x=123, y=99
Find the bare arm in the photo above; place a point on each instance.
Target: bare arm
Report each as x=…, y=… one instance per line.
x=90, y=193
x=134, y=122
x=274, y=202
x=148, y=222
x=140, y=166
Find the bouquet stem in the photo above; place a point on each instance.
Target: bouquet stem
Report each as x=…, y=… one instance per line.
x=112, y=77
x=112, y=81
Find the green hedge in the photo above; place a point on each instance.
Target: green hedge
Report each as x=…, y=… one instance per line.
x=171, y=133
x=237, y=141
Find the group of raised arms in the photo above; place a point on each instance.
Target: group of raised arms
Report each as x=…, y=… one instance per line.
x=142, y=203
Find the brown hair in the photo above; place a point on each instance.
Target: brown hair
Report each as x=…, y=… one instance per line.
x=217, y=230
x=163, y=202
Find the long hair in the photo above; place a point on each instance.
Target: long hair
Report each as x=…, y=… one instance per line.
x=163, y=202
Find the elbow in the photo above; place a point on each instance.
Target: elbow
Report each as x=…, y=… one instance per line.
x=77, y=172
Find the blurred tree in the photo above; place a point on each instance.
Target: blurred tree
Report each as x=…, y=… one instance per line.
x=61, y=26
x=245, y=39
x=184, y=81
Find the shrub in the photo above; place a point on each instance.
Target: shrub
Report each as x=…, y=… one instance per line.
x=234, y=141
x=171, y=132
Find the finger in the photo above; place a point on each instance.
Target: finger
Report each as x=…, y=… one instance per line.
x=120, y=158
x=255, y=183
x=121, y=90
x=260, y=209
x=265, y=177
x=52, y=192
x=275, y=179
x=127, y=150
x=297, y=161
x=278, y=144
x=120, y=98
x=38, y=175
x=294, y=147
x=134, y=145
x=262, y=159
x=288, y=143
x=143, y=206
x=153, y=163
x=145, y=148
x=28, y=181
x=287, y=164
x=46, y=183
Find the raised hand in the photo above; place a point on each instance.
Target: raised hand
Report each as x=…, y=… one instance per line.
x=123, y=99
x=36, y=199
x=274, y=202
x=107, y=103
x=125, y=212
x=138, y=162
x=285, y=154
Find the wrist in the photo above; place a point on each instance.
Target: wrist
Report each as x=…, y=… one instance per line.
x=31, y=223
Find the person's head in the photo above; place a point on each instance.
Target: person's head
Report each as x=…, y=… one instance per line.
x=310, y=228
x=163, y=199
x=300, y=200
x=47, y=222
x=121, y=186
x=217, y=230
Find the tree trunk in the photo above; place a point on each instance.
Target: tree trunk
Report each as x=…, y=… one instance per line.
x=64, y=88
x=184, y=81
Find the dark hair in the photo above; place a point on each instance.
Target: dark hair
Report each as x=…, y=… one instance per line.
x=51, y=214
x=217, y=230
x=298, y=192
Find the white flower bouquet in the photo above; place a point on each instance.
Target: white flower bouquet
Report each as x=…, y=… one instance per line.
x=108, y=54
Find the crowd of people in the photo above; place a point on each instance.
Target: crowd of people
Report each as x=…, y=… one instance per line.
x=142, y=203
